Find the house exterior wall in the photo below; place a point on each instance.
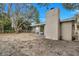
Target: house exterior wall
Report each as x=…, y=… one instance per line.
x=37, y=29
x=66, y=30
x=52, y=30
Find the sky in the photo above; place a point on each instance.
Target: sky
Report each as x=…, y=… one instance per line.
x=64, y=13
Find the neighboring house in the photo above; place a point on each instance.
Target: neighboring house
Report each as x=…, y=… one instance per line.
x=56, y=29
x=37, y=28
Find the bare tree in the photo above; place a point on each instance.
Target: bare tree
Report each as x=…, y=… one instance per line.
x=25, y=13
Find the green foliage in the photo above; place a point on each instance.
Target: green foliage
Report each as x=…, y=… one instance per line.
x=22, y=17
x=5, y=21
x=36, y=15
x=71, y=6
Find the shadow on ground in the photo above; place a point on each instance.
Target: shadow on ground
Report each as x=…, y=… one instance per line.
x=39, y=47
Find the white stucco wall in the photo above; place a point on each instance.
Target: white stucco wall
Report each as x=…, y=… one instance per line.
x=66, y=30
x=37, y=29
x=51, y=30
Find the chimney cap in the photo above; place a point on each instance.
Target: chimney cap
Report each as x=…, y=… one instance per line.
x=51, y=8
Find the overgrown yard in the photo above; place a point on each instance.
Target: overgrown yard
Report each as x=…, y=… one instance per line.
x=26, y=44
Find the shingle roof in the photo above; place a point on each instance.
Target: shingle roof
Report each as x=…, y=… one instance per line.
x=64, y=20
x=68, y=19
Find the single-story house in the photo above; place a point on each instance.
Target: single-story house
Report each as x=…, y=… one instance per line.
x=56, y=29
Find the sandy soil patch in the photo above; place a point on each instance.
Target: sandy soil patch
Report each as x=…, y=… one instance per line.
x=26, y=44
x=18, y=36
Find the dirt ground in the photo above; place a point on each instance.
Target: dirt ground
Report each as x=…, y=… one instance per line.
x=27, y=44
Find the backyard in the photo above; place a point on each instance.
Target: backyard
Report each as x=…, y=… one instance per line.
x=29, y=44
